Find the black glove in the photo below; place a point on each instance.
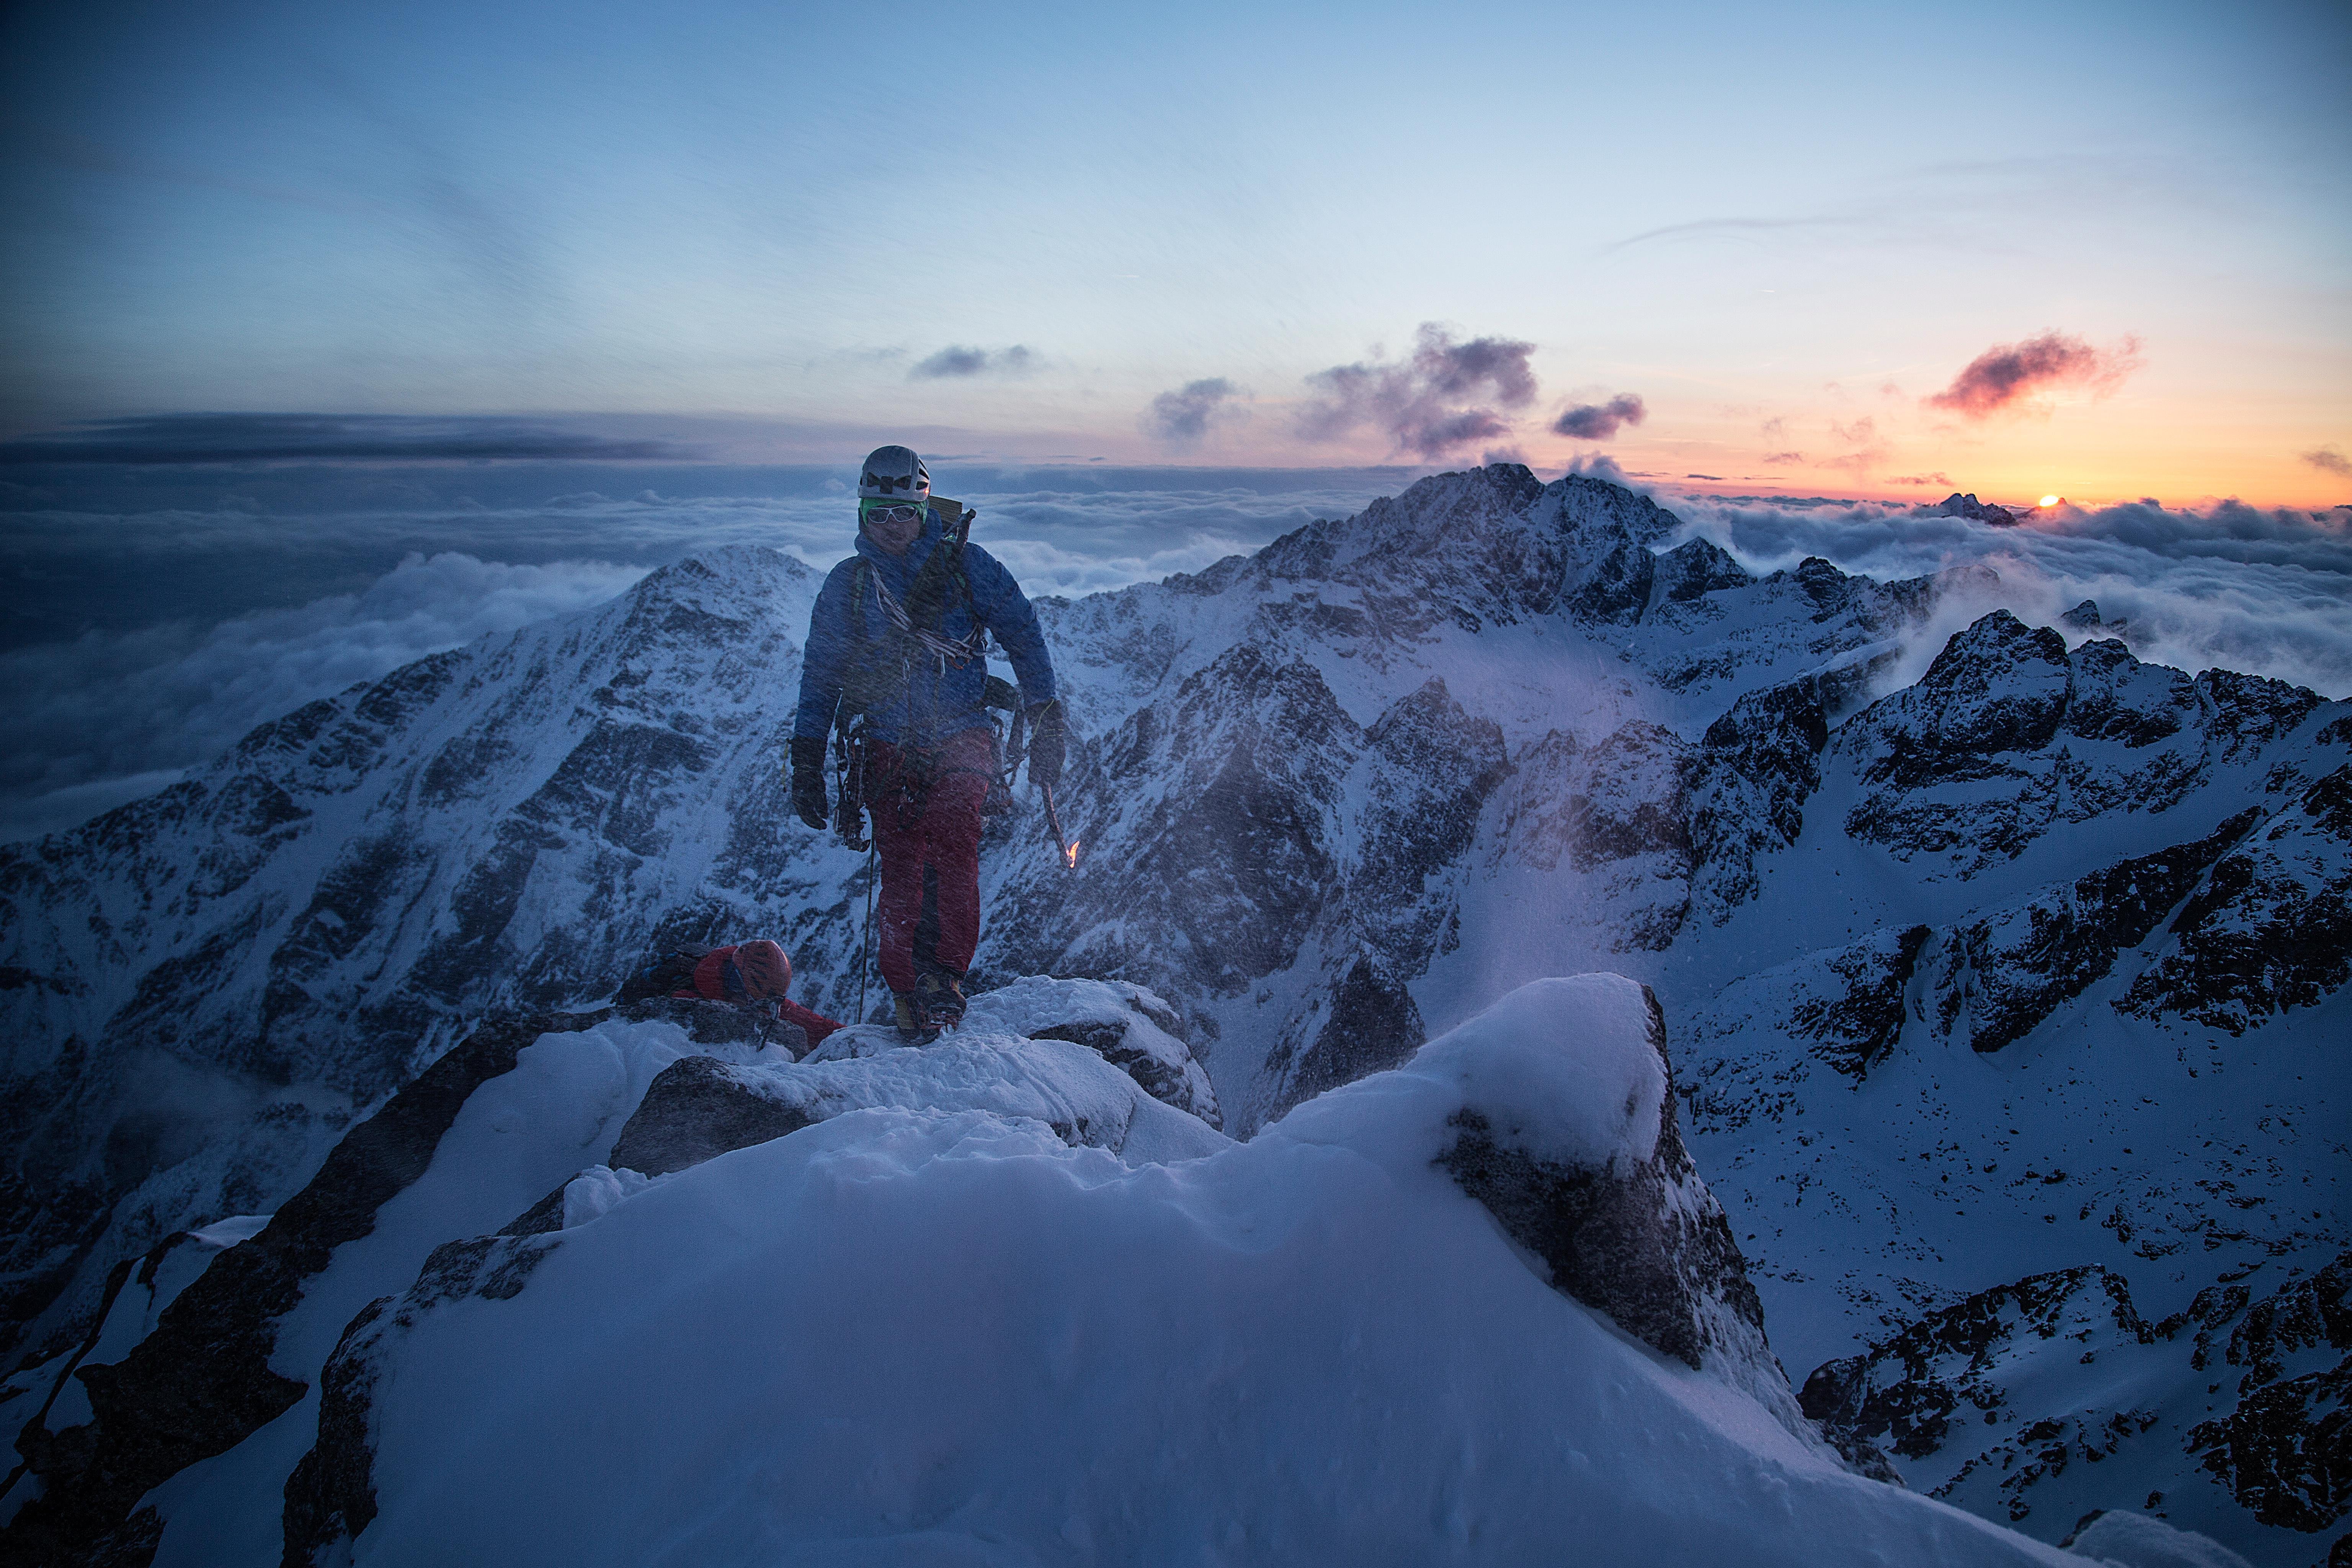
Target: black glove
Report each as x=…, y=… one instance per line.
x=1048, y=739
x=808, y=781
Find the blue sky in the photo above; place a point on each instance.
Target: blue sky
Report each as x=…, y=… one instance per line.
x=1816, y=216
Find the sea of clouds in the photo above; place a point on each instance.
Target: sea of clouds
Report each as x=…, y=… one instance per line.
x=2266, y=592
x=156, y=619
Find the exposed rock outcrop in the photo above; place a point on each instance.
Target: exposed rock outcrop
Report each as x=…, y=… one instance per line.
x=203, y=1382
x=2272, y=927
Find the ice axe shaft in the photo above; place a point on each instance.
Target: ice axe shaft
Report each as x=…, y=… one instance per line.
x=1068, y=851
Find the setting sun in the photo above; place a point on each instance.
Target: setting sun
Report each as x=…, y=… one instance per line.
x=2048, y=501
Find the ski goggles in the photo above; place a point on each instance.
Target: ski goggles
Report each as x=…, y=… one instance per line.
x=889, y=511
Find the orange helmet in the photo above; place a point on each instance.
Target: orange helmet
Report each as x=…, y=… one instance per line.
x=767, y=972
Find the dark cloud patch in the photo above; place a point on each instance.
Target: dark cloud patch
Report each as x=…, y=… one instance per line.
x=2328, y=460
x=1784, y=456
x=327, y=437
x=1599, y=421
x=956, y=361
x=2010, y=376
x=1431, y=404
x=1938, y=479
x=1182, y=415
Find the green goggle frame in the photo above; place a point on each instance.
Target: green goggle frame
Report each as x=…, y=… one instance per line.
x=874, y=507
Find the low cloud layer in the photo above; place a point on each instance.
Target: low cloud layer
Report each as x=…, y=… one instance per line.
x=106, y=714
x=2266, y=592
x=1183, y=417
x=108, y=718
x=1599, y=421
x=121, y=708
x=956, y=361
x=2008, y=377
x=1443, y=399
x=325, y=437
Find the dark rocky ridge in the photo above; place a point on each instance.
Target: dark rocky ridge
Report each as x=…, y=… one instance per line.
x=2282, y=1449
x=202, y=1383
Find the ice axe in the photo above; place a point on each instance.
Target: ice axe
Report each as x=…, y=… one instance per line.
x=1068, y=848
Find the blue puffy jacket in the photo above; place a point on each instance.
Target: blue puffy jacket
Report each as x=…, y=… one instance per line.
x=933, y=704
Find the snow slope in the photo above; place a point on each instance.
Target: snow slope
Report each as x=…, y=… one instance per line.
x=940, y=1333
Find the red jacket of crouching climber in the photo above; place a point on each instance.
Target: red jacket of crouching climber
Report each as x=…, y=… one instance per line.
x=755, y=970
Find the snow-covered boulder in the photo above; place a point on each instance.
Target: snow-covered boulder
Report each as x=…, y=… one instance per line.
x=1127, y=1025
x=2130, y=1540
x=1555, y=1109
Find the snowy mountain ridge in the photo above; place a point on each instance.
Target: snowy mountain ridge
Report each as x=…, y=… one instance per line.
x=1126, y=1295
x=2043, y=907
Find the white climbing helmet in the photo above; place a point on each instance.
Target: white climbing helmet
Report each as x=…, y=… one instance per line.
x=894, y=473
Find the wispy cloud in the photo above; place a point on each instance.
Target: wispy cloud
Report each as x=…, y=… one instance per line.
x=1599, y=421
x=2008, y=376
x=1431, y=404
x=1183, y=417
x=956, y=360
x=2328, y=460
x=1719, y=228
x=323, y=437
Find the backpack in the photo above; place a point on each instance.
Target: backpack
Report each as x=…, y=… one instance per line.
x=668, y=970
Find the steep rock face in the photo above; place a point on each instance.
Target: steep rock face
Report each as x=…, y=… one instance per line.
x=2010, y=972
x=1992, y=698
x=1615, y=809
x=1946, y=1392
x=2285, y=1451
x=2008, y=736
x=1755, y=767
x=203, y=1381
x=1230, y=797
x=1908, y=1391
x=2272, y=929
x=1695, y=568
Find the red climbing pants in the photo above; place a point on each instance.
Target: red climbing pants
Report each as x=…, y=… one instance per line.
x=925, y=813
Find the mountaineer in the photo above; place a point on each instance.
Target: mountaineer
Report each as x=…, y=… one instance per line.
x=754, y=973
x=896, y=663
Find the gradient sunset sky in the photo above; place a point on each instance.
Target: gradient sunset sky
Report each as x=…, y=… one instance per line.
x=2103, y=250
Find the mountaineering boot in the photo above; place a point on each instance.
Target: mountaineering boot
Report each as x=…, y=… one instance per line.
x=914, y=1026
x=938, y=992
